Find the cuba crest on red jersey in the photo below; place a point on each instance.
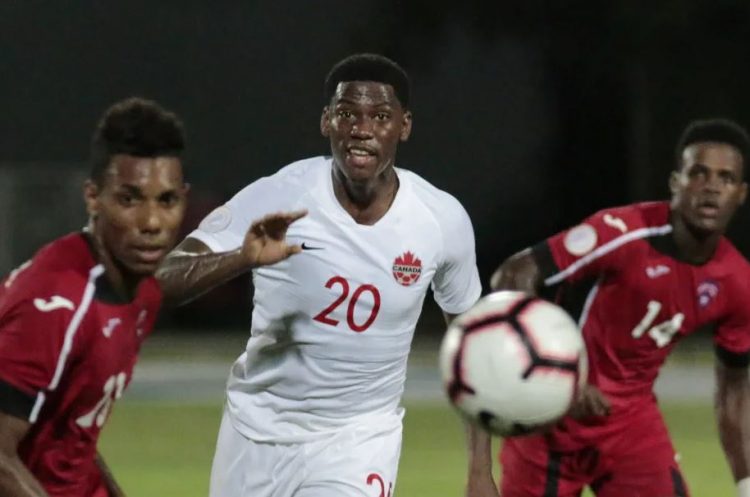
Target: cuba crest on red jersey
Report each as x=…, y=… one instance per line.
x=407, y=269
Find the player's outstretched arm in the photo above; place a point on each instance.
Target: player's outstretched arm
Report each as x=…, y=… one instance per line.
x=15, y=479
x=192, y=269
x=732, y=407
x=113, y=488
x=518, y=272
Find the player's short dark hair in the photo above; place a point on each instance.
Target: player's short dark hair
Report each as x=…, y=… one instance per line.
x=369, y=67
x=138, y=127
x=717, y=130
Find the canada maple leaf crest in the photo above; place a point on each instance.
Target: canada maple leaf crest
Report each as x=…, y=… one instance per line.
x=407, y=269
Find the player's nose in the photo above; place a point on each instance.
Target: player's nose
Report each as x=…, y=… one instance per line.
x=150, y=220
x=362, y=129
x=712, y=184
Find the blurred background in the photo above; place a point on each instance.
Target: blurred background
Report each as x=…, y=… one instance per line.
x=534, y=114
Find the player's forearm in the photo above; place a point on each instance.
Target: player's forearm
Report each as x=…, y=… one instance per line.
x=17, y=481
x=480, y=482
x=184, y=277
x=109, y=480
x=479, y=445
x=733, y=416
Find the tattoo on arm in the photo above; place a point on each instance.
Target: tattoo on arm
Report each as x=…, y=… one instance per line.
x=191, y=270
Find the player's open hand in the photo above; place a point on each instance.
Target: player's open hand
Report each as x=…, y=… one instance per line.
x=591, y=402
x=265, y=241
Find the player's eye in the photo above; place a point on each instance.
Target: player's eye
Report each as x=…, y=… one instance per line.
x=168, y=200
x=344, y=113
x=126, y=199
x=728, y=178
x=382, y=116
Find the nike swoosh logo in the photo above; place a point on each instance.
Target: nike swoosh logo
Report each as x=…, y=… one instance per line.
x=307, y=247
x=55, y=302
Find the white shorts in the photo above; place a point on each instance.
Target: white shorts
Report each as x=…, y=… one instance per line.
x=360, y=460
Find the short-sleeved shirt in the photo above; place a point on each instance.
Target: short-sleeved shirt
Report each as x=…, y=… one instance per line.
x=332, y=326
x=67, y=350
x=643, y=299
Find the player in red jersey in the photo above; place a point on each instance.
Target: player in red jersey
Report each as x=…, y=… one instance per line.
x=73, y=317
x=658, y=272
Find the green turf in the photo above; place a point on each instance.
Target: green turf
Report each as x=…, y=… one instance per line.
x=158, y=450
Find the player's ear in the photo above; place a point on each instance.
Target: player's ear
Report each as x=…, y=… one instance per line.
x=325, y=126
x=743, y=192
x=674, y=182
x=405, y=126
x=91, y=197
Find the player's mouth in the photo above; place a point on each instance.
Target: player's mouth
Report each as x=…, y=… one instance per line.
x=361, y=156
x=149, y=253
x=708, y=208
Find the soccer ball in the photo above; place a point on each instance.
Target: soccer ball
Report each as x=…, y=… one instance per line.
x=513, y=363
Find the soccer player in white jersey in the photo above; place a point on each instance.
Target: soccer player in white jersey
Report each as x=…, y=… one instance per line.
x=312, y=406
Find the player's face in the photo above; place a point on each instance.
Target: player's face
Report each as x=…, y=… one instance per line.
x=709, y=188
x=364, y=122
x=137, y=211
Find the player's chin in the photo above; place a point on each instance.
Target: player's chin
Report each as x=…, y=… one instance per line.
x=707, y=226
x=361, y=167
x=142, y=268
x=360, y=175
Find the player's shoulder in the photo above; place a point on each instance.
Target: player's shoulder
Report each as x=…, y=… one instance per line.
x=732, y=270
x=302, y=171
x=433, y=198
x=65, y=265
x=616, y=228
x=288, y=183
x=735, y=263
x=70, y=254
x=61, y=269
x=632, y=217
x=300, y=174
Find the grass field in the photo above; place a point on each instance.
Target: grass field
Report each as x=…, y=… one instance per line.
x=165, y=450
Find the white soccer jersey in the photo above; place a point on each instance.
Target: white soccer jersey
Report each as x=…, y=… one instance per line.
x=332, y=326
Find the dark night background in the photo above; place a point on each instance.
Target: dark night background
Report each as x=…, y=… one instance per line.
x=533, y=114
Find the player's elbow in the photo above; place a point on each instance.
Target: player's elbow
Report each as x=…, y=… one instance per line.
x=518, y=272
x=501, y=277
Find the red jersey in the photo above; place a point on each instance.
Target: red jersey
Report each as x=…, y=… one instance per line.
x=643, y=299
x=68, y=346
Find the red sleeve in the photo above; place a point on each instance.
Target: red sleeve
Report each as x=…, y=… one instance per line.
x=596, y=246
x=36, y=312
x=732, y=337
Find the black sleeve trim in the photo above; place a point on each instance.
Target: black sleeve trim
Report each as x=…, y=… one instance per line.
x=543, y=258
x=732, y=359
x=15, y=402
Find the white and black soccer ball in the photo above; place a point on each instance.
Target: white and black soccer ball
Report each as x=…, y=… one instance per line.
x=513, y=363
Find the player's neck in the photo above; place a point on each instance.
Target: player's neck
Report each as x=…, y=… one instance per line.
x=122, y=282
x=693, y=247
x=366, y=202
